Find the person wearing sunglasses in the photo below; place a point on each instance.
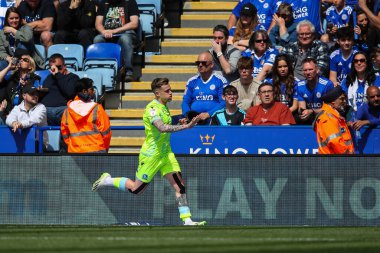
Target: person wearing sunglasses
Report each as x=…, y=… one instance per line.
x=61, y=85
x=22, y=74
x=284, y=30
x=15, y=37
x=262, y=54
x=359, y=79
x=204, y=91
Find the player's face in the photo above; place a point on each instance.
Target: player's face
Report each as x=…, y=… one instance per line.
x=305, y=36
x=282, y=68
x=373, y=96
x=165, y=93
x=360, y=63
x=310, y=71
x=266, y=95
x=219, y=38
x=13, y=20
x=346, y=44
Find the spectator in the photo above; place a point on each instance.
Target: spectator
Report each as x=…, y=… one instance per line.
x=333, y=135
x=269, y=112
x=262, y=53
x=284, y=30
x=204, y=91
x=369, y=113
x=361, y=30
x=116, y=21
x=340, y=59
x=310, y=92
x=339, y=15
x=85, y=126
x=265, y=11
x=39, y=15
x=22, y=75
x=309, y=10
x=359, y=79
x=29, y=112
x=3, y=106
x=76, y=22
x=239, y=35
x=375, y=57
x=246, y=86
x=284, y=85
x=61, y=85
x=224, y=56
x=307, y=46
x=373, y=37
x=231, y=115
x=17, y=36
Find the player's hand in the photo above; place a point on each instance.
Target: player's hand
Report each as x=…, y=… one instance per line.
x=204, y=116
x=193, y=122
x=182, y=121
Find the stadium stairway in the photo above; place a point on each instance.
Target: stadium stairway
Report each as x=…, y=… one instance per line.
x=179, y=51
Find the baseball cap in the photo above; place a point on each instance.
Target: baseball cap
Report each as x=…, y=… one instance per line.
x=30, y=89
x=248, y=10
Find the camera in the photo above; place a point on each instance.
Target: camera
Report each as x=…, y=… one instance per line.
x=14, y=61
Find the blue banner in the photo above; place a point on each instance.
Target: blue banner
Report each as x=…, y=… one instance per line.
x=260, y=140
x=22, y=141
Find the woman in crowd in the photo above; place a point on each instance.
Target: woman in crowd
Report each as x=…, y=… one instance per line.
x=284, y=87
x=361, y=31
x=17, y=36
x=262, y=54
x=239, y=35
x=284, y=30
x=362, y=76
x=23, y=74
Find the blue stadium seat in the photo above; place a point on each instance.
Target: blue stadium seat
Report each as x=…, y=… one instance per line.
x=43, y=74
x=54, y=137
x=104, y=58
x=150, y=11
x=41, y=50
x=73, y=54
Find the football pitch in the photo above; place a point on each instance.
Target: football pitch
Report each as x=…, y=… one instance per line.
x=106, y=239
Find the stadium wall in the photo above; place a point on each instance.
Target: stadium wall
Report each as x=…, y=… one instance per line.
x=224, y=190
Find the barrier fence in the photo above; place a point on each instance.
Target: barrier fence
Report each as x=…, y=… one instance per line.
x=224, y=190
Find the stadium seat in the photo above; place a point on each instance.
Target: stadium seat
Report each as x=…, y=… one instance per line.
x=150, y=16
x=43, y=74
x=72, y=53
x=54, y=138
x=98, y=81
x=41, y=50
x=104, y=58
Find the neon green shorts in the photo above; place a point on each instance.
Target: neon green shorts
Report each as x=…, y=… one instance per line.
x=149, y=166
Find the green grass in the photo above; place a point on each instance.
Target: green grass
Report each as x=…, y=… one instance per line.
x=107, y=239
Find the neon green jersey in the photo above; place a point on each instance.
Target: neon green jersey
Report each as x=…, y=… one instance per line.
x=156, y=143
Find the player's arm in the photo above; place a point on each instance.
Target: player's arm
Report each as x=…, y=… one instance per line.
x=165, y=128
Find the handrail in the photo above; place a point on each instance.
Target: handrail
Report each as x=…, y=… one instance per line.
x=44, y=128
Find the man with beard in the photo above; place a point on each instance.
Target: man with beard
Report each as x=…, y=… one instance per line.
x=333, y=135
x=224, y=56
x=369, y=113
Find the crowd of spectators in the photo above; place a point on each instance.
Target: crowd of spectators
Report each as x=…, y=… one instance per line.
x=296, y=51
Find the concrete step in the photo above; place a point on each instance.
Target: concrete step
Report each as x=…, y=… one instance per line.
x=122, y=150
x=188, y=32
x=145, y=86
x=175, y=73
x=212, y=6
x=134, y=113
x=178, y=59
x=203, y=20
x=185, y=47
x=127, y=141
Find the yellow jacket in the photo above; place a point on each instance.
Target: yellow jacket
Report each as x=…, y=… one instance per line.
x=333, y=135
x=85, y=127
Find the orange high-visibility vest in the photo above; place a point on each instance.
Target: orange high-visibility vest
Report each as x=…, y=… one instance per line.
x=333, y=135
x=85, y=127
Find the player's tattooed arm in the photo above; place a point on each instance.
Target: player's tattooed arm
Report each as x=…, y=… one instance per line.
x=164, y=128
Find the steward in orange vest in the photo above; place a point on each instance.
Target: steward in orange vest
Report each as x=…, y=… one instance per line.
x=85, y=126
x=333, y=135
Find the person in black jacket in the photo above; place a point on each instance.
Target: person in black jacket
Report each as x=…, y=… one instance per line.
x=76, y=22
x=61, y=89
